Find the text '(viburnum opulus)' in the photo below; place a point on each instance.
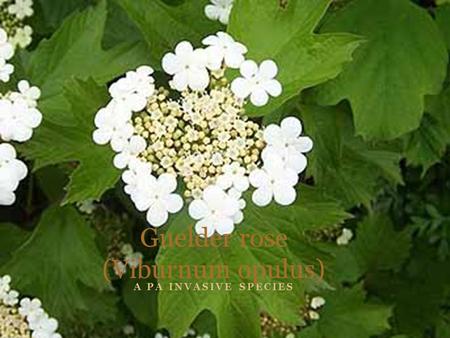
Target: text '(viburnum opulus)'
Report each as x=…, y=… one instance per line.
x=194, y=143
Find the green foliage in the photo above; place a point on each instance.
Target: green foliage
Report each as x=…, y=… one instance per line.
x=164, y=25
x=380, y=167
x=284, y=32
x=312, y=210
x=63, y=56
x=341, y=163
x=60, y=263
x=428, y=143
x=393, y=71
x=54, y=143
x=348, y=315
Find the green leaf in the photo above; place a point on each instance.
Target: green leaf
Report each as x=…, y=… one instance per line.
x=54, y=143
x=284, y=32
x=237, y=312
x=11, y=237
x=346, y=314
x=58, y=263
x=341, y=163
x=378, y=246
x=163, y=25
x=75, y=51
x=443, y=22
x=55, y=11
x=393, y=71
x=441, y=2
x=427, y=145
x=144, y=306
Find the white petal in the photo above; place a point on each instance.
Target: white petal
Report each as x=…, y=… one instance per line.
x=198, y=79
x=202, y=224
x=291, y=126
x=241, y=88
x=7, y=197
x=224, y=181
x=184, y=49
x=248, y=69
x=304, y=144
x=180, y=81
x=297, y=162
x=259, y=178
x=241, y=183
x=167, y=183
x=171, y=64
x=284, y=195
x=268, y=69
x=272, y=134
x=259, y=97
x=273, y=87
x=157, y=215
x=238, y=217
x=233, y=59
x=173, y=203
x=121, y=160
x=262, y=196
x=225, y=226
x=198, y=209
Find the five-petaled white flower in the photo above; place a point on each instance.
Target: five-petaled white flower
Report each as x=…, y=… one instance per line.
x=30, y=94
x=23, y=36
x=223, y=48
x=286, y=142
x=188, y=66
x=135, y=145
x=156, y=195
x=219, y=10
x=21, y=8
x=137, y=173
x=113, y=125
x=273, y=181
x=257, y=82
x=234, y=175
x=17, y=120
x=29, y=307
x=215, y=212
x=134, y=89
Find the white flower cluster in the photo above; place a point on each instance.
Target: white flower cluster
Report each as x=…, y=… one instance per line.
x=130, y=258
x=12, y=171
x=18, y=117
x=12, y=15
x=203, y=137
x=30, y=312
x=315, y=304
x=6, y=53
x=219, y=10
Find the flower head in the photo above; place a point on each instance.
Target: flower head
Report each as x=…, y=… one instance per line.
x=285, y=140
x=21, y=8
x=273, y=181
x=187, y=66
x=12, y=171
x=258, y=82
x=219, y=10
x=225, y=49
x=215, y=212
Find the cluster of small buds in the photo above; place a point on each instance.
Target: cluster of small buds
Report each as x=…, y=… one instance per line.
x=129, y=257
x=191, y=333
x=87, y=206
x=202, y=137
x=24, y=318
x=271, y=326
x=345, y=237
x=13, y=14
x=219, y=10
